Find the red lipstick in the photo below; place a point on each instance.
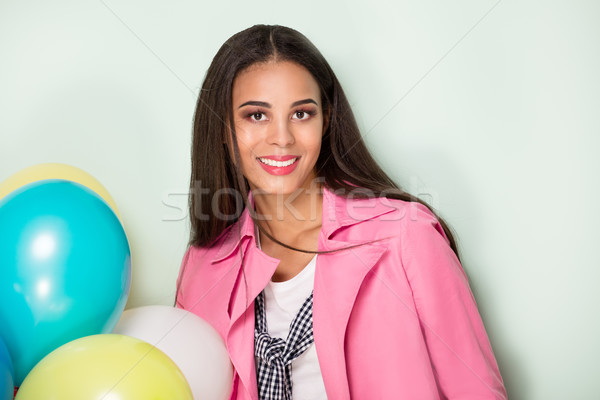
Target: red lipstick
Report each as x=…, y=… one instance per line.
x=279, y=165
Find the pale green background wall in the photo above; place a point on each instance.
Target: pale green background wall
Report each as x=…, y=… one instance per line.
x=487, y=109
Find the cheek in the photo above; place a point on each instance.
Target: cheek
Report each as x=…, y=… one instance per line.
x=316, y=150
x=247, y=136
x=246, y=154
x=316, y=146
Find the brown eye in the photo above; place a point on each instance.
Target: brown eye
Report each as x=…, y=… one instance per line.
x=304, y=114
x=256, y=116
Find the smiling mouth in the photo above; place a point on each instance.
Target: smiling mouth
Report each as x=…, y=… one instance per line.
x=279, y=164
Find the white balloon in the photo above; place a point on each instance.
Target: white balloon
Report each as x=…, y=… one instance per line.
x=192, y=343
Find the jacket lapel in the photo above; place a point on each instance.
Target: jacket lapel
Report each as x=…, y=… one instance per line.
x=338, y=278
x=249, y=282
x=240, y=339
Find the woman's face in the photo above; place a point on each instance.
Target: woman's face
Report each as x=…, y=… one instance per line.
x=279, y=124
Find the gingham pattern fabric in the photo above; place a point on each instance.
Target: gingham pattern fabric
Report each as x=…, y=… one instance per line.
x=275, y=355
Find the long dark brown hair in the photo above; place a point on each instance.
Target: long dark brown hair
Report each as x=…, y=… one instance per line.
x=216, y=183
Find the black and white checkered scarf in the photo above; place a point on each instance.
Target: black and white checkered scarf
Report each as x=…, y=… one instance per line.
x=275, y=355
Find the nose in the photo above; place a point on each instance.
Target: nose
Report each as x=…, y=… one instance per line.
x=280, y=134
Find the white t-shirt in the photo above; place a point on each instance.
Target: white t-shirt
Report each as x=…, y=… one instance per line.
x=282, y=302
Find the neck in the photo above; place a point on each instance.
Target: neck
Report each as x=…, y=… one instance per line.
x=287, y=216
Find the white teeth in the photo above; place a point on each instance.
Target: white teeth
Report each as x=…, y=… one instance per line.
x=278, y=163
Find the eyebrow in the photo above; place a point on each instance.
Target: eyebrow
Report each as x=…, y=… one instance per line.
x=267, y=105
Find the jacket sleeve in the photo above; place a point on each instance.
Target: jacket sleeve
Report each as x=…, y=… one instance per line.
x=460, y=352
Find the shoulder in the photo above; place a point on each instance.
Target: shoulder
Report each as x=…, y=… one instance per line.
x=416, y=244
x=417, y=230
x=203, y=284
x=212, y=250
x=422, y=245
x=197, y=259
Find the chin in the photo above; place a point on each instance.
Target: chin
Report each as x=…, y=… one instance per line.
x=280, y=190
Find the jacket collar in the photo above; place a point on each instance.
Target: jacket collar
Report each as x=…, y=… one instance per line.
x=235, y=233
x=338, y=211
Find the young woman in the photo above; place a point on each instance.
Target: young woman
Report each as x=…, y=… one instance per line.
x=323, y=277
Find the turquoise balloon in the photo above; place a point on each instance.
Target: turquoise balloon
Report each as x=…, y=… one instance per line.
x=65, y=269
x=6, y=374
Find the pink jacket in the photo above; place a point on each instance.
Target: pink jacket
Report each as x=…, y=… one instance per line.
x=394, y=319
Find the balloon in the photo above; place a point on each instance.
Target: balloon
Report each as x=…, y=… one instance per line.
x=65, y=269
x=191, y=342
x=6, y=374
x=107, y=367
x=56, y=171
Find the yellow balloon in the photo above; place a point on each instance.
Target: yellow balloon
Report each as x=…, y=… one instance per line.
x=108, y=367
x=56, y=171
